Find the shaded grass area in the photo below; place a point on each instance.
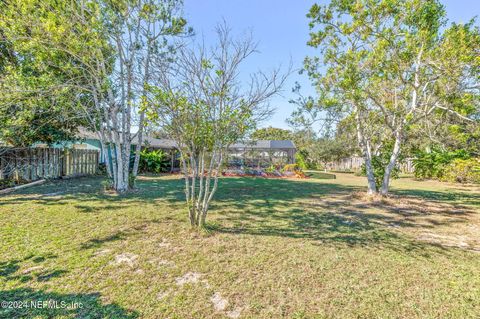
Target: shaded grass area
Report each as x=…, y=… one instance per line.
x=320, y=175
x=274, y=248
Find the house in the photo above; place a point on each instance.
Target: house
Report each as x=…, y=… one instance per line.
x=249, y=153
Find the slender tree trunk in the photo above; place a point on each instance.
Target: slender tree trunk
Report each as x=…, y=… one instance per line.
x=191, y=213
x=391, y=163
x=367, y=154
x=138, y=147
x=372, y=186
x=200, y=169
x=106, y=157
x=122, y=176
x=146, y=77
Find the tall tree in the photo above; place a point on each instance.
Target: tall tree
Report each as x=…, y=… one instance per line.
x=390, y=64
x=110, y=50
x=35, y=104
x=205, y=108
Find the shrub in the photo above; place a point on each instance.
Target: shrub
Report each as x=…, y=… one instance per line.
x=102, y=169
x=155, y=161
x=462, y=171
x=270, y=170
x=290, y=168
x=107, y=184
x=301, y=161
x=7, y=183
x=433, y=164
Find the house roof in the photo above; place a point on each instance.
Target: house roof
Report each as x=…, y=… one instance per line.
x=265, y=144
x=156, y=142
x=86, y=134
x=170, y=144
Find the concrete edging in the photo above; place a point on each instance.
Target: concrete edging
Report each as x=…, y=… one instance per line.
x=11, y=189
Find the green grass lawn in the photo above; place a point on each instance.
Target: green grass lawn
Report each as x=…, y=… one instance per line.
x=274, y=248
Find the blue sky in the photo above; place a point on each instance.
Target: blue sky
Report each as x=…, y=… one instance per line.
x=281, y=28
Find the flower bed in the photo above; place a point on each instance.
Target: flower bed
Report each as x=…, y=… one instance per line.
x=289, y=171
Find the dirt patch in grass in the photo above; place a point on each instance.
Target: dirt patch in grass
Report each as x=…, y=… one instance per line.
x=126, y=258
x=436, y=222
x=188, y=278
x=219, y=303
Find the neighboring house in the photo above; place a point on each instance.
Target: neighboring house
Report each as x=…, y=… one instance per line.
x=262, y=153
x=89, y=140
x=251, y=153
x=86, y=140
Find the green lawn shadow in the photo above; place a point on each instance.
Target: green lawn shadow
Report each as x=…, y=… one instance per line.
x=261, y=207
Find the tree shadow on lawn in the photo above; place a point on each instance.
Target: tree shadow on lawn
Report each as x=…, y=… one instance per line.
x=323, y=212
x=123, y=234
x=41, y=304
x=472, y=199
x=61, y=192
x=24, y=302
x=329, y=213
x=83, y=189
x=9, y=270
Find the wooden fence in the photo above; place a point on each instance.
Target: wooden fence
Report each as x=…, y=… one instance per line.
x=355, y=163
x=35, y=163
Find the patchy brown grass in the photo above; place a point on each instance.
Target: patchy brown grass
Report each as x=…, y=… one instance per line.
x=449, y=225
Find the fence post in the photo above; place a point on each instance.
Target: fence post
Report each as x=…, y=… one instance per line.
x=2, y=164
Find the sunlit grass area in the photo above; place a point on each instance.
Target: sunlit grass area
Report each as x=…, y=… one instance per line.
x=274, y=248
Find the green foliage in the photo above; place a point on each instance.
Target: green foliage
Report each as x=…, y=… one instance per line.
x=24, y=125
x=59, y=63
x=300, y=159
x=271, y=169
x=155, y=161
x=375, y=55
x=290, y=168
x=7, y=183
x=131, y=180
x=325, y=150
x=102, y=169
x=271, y=133
x=107, y=184
x=313, y=152
x=462, y=171
x=433, y=164
x=41, y=84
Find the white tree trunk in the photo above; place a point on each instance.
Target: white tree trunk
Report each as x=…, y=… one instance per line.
x=392, y=163
x=201, y=174
x=138, y=147
x=365, y=146
x=372, y=186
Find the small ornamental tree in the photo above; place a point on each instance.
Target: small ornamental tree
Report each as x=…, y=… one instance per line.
x=205, y=108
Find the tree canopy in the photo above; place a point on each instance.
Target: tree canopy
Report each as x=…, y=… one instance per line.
x=390, y=65
x=271, y=133
x=97, y=57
